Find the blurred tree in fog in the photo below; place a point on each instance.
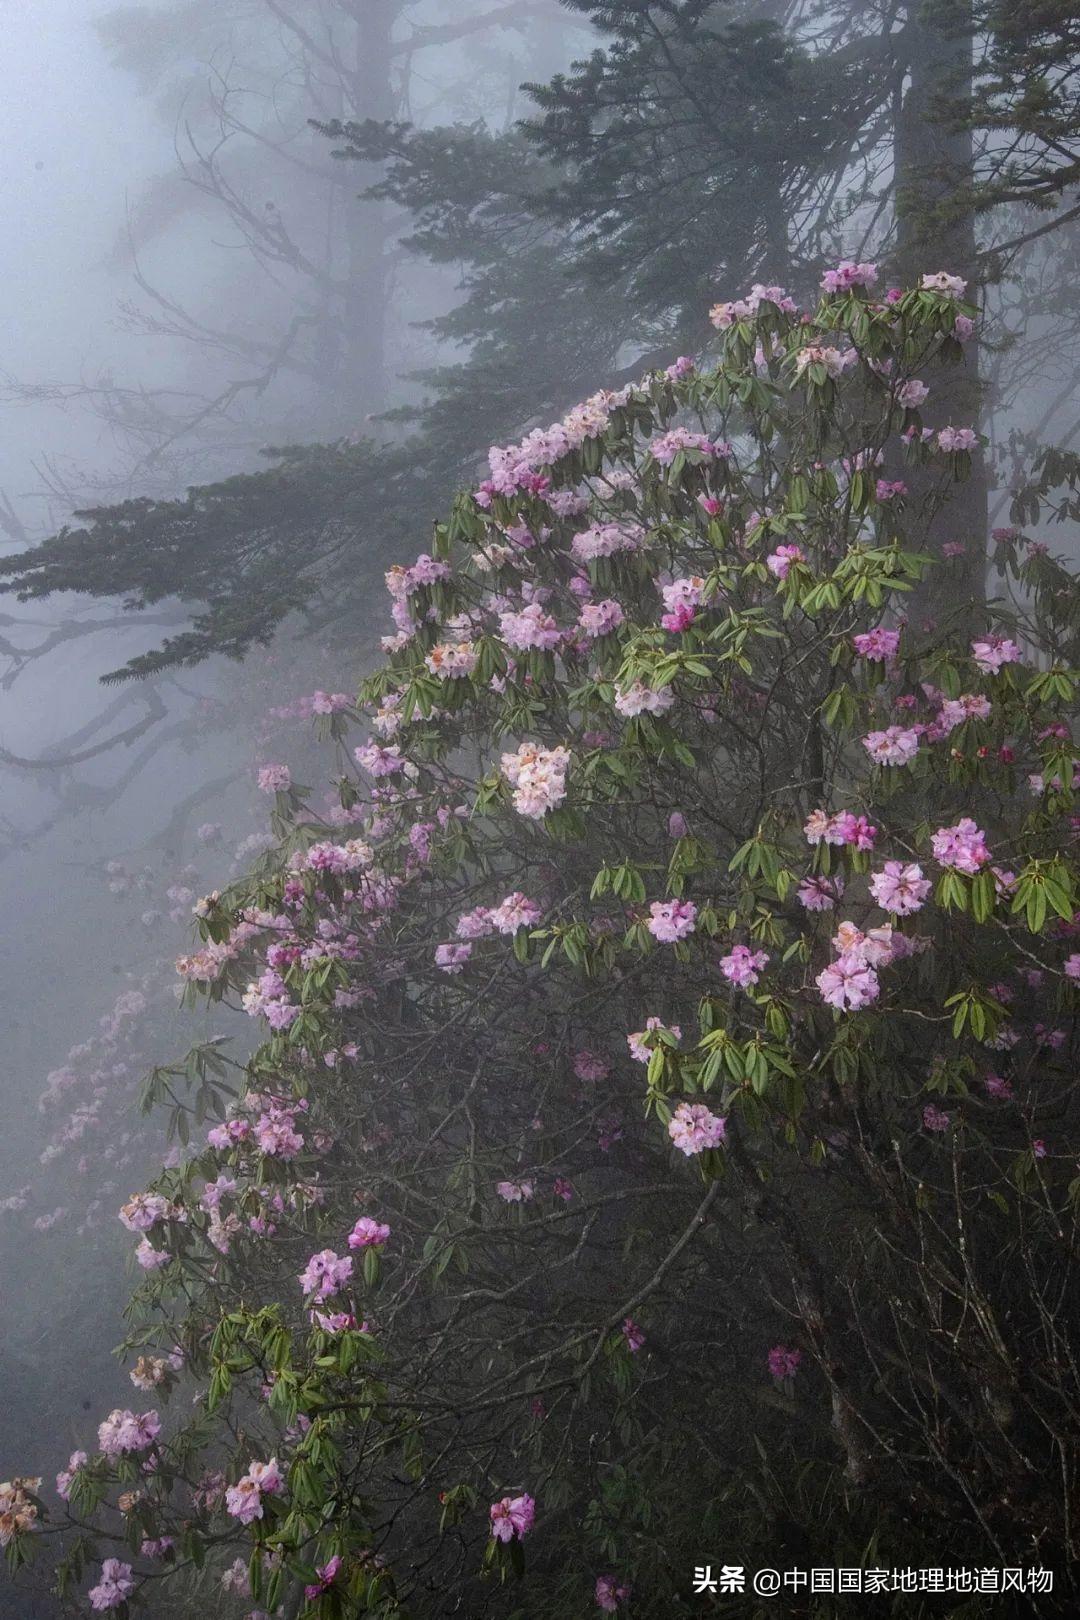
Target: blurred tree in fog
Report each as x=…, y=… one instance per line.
x=701, y=146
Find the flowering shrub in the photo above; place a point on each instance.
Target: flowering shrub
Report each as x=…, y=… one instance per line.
x=688, y=1008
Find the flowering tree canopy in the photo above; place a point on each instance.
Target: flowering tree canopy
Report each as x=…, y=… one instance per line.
x=663, y=1137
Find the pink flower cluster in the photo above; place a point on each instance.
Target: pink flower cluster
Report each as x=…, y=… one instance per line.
x=991, y=653
x=115, y=1586
x=244, y=1500
x=784, y=1362
x=671, y=920
x=847, y=275
x=666, y=446
x=452, y=660
x=538, y=777
x=896, y=745
x=611, y=1590
x=641, y=699
x=851, y=982
x=512, y=1516
x=742, y=967
x=600, y=618
x=124, y=1434
x=962, y=847
x=779, y=561
x=694, y=1129
x=274, y=779
x=900, y=888
x=682, y=598
x=529, y=628
x=636, y=1042
x=325, y=1274
x=842, y=828
x=879, y=644
x=953, y=439
x=745, y=309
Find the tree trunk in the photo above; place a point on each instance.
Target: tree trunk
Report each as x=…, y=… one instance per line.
x=368, y=228
x=934, y=157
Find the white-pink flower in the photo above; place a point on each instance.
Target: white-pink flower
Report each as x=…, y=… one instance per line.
x=896, y=745
x=900, y=888
x=671, y=920
x=693, y=1128
x=992, y=652
x=962, y=847
x=848, y=984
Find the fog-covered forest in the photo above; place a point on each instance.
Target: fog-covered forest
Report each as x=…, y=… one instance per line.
x=539, y=641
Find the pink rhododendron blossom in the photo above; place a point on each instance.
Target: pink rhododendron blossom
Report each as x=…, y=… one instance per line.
x=991, y=653
x=325, y=1273
x=115, y=1586
x=516, y=911
x=379, y=761
x=666, y=446
x=244, y=1500
x=1072, y=967
x=123, y=1433
x=940, y=281
x=779, y=562
x=149, y=1258
x=475, y=924
x=900, y=888
x=744, y=309
x=878, y=644
x=274, y=779
x=368, y=1234
x=591, y=1066
x=452, y=660
x=783, y=1361
x=633, y=1335
x=896, y=745
x=329, y=702
x=641, y=699
x=515, y=1192
x=538, y=777
x=326, y=1575
x=66, y=1477
x=452, y=957
x=955, y=711
x=144, y=1210
x=529, y=628
x=638, y=1050
x=912, y=394
x=848, y=984
x=600, y=618
x=842, y=828
x=819, y=893
x=682, y=598
x=610, y=1592
x=934, y=1120
x=671, y=920
x=742, y=966
x=962, y=847
x=954, y=438
x=847, y=275
x=820, y=354
x=874, y=946
x=694, y=1129
x=512, y=1516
